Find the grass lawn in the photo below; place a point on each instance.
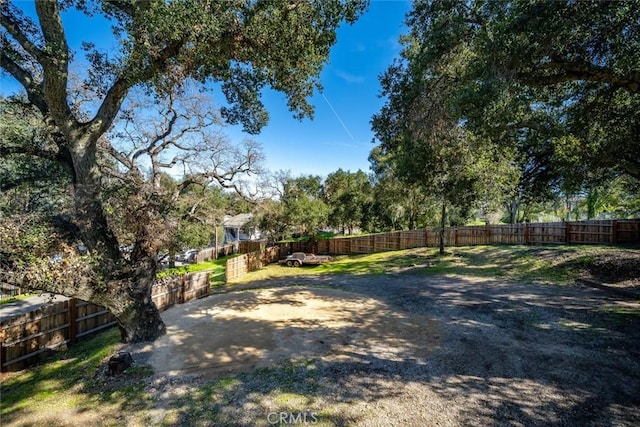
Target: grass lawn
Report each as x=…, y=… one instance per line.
x=550, y=264
x=66, y=384
x=215, y=268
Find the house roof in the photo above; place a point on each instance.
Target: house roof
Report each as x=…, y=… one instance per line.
x=238, y=221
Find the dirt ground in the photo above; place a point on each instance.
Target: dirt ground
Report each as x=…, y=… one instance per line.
x=400, y=349
x=234, y=333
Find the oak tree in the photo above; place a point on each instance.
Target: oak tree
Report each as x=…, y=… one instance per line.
x=244, y=46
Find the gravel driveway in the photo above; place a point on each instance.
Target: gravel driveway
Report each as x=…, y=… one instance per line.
x=498, y=354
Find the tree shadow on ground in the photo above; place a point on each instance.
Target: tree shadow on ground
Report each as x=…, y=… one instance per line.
x=510, y=354
x=400, y=349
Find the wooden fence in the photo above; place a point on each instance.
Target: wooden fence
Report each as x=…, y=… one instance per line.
x=252, y=261
x=9, y=291
x=173, y=290
x=208, y=254
x=614, y=232
x=26, y=338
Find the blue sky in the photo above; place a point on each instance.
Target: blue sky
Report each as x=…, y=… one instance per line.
x=340, y=134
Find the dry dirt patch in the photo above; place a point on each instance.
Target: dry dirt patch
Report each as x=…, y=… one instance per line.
x=235, y=333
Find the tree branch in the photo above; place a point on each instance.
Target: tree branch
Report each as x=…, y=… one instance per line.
x=13, y=28
x=55, y=62
x=125, y=7
x=572, y=71
x=25, y=78
x=118, y=91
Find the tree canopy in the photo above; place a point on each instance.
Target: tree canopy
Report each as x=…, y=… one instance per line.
x=244, y=46
x=545, y=92
x=348, y=195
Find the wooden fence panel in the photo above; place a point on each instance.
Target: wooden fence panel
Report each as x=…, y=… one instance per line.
x=298, y=247
x=361, y=245
x=167, y=292
x=323, y=246
x=432, y=238
x=411, y=239
x=577, y=232
x=196, y=285
x=589, y=232
x=626, y=231
x=253, y=261
x=248, y=246
x=338, y=246
x=26, y=338
x=547, y=233
x=87, y=318
x=8, y=291
x=471, y=236
x=236, y=267
x=511, y=234
x=271, y=255
x=209, y=254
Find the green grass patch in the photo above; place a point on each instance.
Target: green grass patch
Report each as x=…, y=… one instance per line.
x=547, y=264
x=57, y=381
x=68, y=382
x=621, y=315
x=377, y=263
x=16, y=298
x=523, y=263
x=214, y=267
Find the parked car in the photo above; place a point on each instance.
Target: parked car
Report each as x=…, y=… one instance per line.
x=187, y=256
x=297, y=259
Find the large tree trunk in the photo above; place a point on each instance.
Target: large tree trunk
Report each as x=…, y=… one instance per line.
x=512, y=208
x=137, y=315
x=127, y=293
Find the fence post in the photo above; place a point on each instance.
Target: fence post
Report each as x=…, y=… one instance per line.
x=3, y=357
x=567, y=233
x=73, y=323
x=183, y=280
x=455, y=236
x=526, y=233
x=614, y=232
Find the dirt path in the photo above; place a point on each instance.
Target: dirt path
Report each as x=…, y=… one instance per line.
x=401, y=349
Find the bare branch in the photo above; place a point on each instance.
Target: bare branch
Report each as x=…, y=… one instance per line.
x=120, y=88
